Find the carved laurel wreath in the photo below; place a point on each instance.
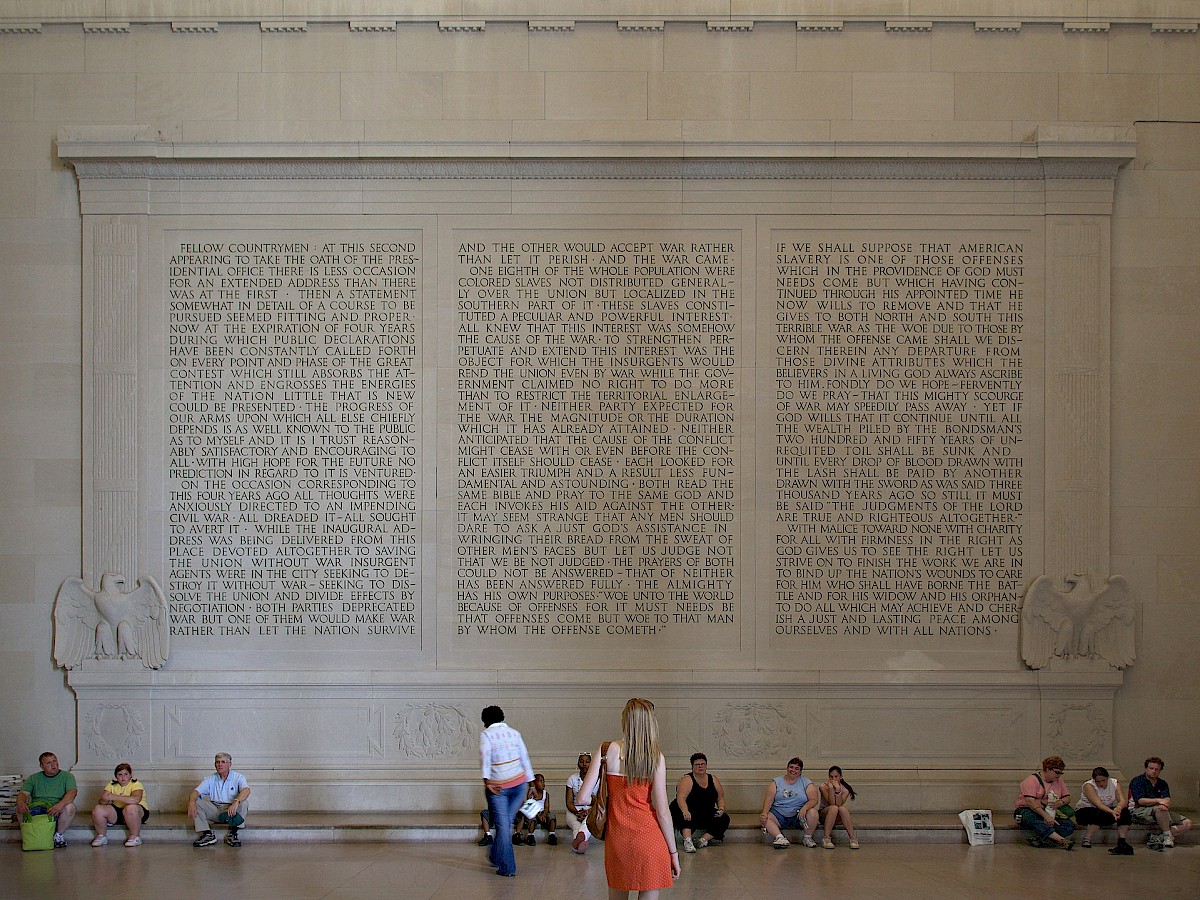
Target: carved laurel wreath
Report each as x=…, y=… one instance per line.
x=749, y=730
x=432, y=730
x=1078, y=729
x=126, y=719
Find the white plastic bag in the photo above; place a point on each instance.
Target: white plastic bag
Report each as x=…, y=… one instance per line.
x=978, y=823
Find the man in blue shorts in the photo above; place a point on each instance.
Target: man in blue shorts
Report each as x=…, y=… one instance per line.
x=790, y=802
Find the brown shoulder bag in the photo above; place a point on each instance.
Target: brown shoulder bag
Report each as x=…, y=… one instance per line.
x=597, y=817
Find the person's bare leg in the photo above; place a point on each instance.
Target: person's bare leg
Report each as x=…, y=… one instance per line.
x=1163, y=818
x=847, y=821
x=66, y=817
x=100, y=819
x=811, y=821
x=132, y=813
x=831, y=817
x=772, y=826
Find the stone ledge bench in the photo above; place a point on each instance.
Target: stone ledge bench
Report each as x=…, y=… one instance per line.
x=174, y=827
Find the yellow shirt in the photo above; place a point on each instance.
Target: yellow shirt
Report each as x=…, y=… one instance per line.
x=127, y=791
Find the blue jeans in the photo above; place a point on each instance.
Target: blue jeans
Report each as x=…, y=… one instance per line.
x=502, y=809
x=1030, y=820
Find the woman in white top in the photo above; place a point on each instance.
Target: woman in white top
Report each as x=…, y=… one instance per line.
x=1102, y=805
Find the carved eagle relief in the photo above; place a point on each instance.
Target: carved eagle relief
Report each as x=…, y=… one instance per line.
x=110, y=623
x=1078, y=622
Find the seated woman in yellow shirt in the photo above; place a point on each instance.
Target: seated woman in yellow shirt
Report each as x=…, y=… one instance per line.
x=123, y=800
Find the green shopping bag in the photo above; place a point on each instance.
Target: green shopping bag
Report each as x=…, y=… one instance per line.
x=37, y=832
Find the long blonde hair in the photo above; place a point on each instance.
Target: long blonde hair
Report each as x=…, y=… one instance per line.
x=640, y=729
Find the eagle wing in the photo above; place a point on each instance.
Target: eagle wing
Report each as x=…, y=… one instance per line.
x=1109, y=630
x=75, y=621
x=145, y=610
x=1043, y=615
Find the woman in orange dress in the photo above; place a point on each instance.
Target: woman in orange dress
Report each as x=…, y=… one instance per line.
x=639, y=841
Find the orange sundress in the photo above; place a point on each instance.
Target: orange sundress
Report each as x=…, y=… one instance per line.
x=636, y=857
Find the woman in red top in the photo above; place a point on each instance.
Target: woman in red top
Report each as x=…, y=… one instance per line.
x=640, y=853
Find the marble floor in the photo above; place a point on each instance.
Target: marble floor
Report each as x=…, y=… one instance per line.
x=452, y=870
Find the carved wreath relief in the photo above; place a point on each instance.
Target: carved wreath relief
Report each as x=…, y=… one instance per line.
x=432, y=731
x=113, y=731
x=753, y=730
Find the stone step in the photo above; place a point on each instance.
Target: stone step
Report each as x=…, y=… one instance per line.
x=877, y=828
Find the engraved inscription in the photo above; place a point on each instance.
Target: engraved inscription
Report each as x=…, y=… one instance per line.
x=596, y=417
x=292, y=439
x=899, y=438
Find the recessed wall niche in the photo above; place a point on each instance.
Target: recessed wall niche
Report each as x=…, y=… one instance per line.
x=779, y=442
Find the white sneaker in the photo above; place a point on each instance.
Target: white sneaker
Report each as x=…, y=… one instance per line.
x=827, y=844
x=1168, y=841
x=853, y=843
x=134, y=841
x=100, y=841
x=688, y=846
x=701, y=843
x=781, y=843
x=808, y=841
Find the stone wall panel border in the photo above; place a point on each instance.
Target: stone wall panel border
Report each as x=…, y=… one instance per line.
x=1018, y=711
x=110, y=397
x=264, y=730
x=1078, y=394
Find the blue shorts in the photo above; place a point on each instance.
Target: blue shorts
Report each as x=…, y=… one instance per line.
x=787, y=821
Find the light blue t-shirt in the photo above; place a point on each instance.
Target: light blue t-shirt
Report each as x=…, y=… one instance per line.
x=218, y=791
x=789, y=797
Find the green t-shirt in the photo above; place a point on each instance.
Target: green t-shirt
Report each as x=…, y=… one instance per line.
x=45, y=791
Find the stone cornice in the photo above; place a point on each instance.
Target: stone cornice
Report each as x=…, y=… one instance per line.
x=834, y=168
x=1070, y=151
x=402, y=682
x=1084, y=16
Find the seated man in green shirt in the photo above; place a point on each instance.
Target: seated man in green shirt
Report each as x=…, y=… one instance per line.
x=51, y=792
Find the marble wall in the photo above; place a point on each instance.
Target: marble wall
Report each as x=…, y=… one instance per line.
x=557, y=88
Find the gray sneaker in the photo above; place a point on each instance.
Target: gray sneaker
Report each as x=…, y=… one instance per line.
x=207, y=839
x=808, y=841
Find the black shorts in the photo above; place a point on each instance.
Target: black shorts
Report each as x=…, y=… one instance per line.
x=121, y=814
x=1089, y=815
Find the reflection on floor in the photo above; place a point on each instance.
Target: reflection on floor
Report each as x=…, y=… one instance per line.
x=453, y=870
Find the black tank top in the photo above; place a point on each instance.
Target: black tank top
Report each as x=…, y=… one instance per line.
x=702, y=800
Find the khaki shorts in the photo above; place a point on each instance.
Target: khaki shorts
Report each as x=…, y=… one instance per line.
x=1144, y=815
